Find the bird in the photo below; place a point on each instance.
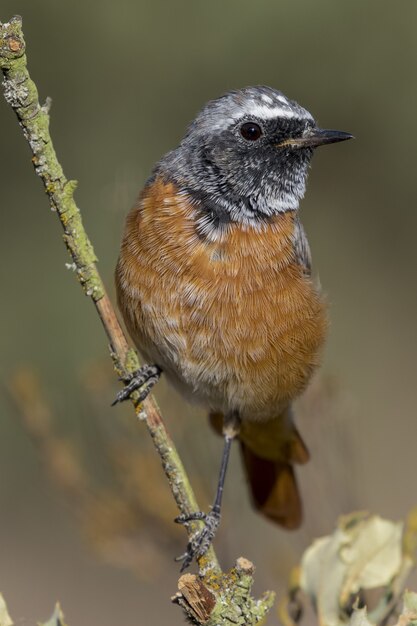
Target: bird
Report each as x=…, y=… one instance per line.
x=215, y=286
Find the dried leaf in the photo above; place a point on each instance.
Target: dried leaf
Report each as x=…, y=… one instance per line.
x=364, y=552
x=322, y=576
x=193, y=594
x=373, y=556
x=408, y=616
x=410, y=534
x=5, y=619
x=56, y=619
x=410, y=603
x=359, y=617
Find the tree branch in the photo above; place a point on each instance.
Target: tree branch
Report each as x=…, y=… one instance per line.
x=21, y=94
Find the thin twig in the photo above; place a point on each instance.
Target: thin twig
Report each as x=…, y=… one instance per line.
x=22, y=95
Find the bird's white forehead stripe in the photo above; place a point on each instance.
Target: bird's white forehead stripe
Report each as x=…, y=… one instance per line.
x=267, y=99
x=282, y=99
x=269, y=112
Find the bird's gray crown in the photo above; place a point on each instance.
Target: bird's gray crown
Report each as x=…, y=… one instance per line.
x=262, y=103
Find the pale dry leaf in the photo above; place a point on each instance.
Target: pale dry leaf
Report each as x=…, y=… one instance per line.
x=56, y=619
x=359, y=617
x=410, y=603
x=373, y=556
x=407, y=617
x=5, y=619
x=364, y=552
x=322, y=575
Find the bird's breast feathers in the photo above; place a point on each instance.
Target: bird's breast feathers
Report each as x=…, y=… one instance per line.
x=233, y=319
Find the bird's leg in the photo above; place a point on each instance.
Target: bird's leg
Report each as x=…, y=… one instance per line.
x=201, y=541
x=147, y=376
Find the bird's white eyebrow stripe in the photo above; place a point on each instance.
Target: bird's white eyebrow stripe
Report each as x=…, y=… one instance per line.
x=268, y=112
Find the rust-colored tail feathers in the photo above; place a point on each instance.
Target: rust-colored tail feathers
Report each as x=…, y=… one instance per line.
x=269, y=450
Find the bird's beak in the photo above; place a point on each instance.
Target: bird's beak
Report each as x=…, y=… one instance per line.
x=316, y=137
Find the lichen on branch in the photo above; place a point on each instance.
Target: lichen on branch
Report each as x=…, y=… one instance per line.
x=21, y=94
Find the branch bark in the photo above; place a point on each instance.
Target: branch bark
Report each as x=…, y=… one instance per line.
x=21, y=94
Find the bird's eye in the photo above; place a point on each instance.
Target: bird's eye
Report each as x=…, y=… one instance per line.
x=251, y=131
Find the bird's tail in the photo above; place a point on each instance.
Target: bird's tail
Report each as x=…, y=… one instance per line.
x=269, y=450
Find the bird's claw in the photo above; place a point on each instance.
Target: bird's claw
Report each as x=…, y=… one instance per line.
x=147, y=376
x=201, y=541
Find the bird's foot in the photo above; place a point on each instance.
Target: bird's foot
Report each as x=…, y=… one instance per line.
x=147, y=377
x=201, y=541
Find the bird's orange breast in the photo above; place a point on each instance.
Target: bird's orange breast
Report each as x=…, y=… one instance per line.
x=234, y=320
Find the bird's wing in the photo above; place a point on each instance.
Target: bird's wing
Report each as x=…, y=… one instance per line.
x=301, y=247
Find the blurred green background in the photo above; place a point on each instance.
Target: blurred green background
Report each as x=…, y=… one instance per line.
x=125, y=79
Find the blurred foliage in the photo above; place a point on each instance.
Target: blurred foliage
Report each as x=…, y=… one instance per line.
x=5, y=619
x=406, y=617
x=125, y=509
x=56, y=619
x=365, y=562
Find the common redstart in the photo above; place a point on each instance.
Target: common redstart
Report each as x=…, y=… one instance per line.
x=214, y=284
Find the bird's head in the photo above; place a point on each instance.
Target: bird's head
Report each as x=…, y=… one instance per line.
x=248, y=153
